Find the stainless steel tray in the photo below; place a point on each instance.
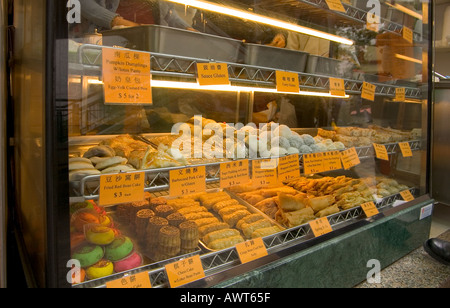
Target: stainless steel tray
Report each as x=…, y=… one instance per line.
x=273, y=57
x=328, y=66
x=173, y=41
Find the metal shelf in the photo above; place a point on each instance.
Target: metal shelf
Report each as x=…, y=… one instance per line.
x=214, y=262
x=157, y=180
x=183, y=68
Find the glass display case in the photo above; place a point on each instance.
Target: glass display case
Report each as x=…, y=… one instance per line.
x=237, y=139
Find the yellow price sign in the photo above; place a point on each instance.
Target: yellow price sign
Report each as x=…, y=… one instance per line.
x=137, y=281
x=408, y=34
x=121, y=188
x=126, y=76
x=369, y=209
x=405, y=148
x=381, y=151
x=234, y=173
x=185, y=271
x=331, y=161
x=368, y=91
x=187, y=181
x=313, y=163
x=287, y=82
x=350, y=158
x=264, y=172
x=320, y=226
x=337, y=86
x=407, y=195
x=288, y=168
x=335, y=5
x=400, y=95
x=210, y=74
x=251, y=250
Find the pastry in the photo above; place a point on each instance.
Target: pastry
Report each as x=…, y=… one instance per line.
x=83, y=217
x=113, y=161
x=288, y=202
x=248, y=229
x=205, y=221
x=164, y=210
x=199, y=215
x=249, y=219
x=105, y=220
x=320, y=203
x=77, y=165
x=131, y=261
x=88, y=254
x=118, y=169
x=119, y=248
x=175, y=219
x=233, y=218
x=100, y=151
x=141, y=222
x=328, y=211
x=262, y=232
x=219, y=205
x=136, y=207
x=79, y=159
x=189, y=230
x=123, y=213
x=154, y=202
x=192, y=209
x=154, y=225
x=100, y=269
x=77, y=175
x=231, y=209
x=220, y=234
x=100, y=235
x=169, y=236
x=226, y=242
x=81, y=205
x=205, y=229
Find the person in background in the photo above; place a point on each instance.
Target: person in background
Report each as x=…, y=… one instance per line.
x=239, y=29
x=107, y=14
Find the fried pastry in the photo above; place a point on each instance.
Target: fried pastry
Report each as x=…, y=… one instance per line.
x=249, y=228
x=205, y=229
x=219, y=205
x=327, y=211
x=265, y=231
x=220, y=234
x=226, y=242
x=249, y=219
x=233, y=218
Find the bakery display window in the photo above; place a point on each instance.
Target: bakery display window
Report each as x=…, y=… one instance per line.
x=193, y=130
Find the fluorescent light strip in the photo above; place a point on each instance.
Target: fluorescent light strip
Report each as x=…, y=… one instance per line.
x=406, y=10
x=230, y=88
x=262, y=19
x=406, y=58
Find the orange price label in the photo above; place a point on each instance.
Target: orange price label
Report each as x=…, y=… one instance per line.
x=335, y=5
x=288, y=168
x=337, y=86
x=369, y=209
x=251, y=250
x=187, y=181
x=320, y=226
x=264, y=172
x=313, y=163
x=121, y=188
x=331, y=161
x=406, y=149
x=368, y=91
x=373, y=22
x=287, y=82
x=185, y=271
x=400, y=95
x=212, y=74
x=407, y=34
x=126, y=76
x=350, y=158
x=407, y=195
x=381, y=151
x=234, y=173
x=137, y=281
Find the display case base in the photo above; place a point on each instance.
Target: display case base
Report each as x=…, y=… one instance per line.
x=346, y=259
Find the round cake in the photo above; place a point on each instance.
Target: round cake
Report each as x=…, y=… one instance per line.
x=189, y=230
x=100, y=269
x=164, y=210
x=175, y=219
x=154, y=225
x=83, y=217
x=154, y=202
x=169, y=236
x=100, y=235
x=131, y=261
x=88, y=254
x=121, y=247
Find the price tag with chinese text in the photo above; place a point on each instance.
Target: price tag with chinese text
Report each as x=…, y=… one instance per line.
x=337, y=86
x=350, y=158
x=234, y=173
x=126, y=76
x=211, y=74
x=407, y=195
x=406, y=149
x=137, y=281
x=368, y=91
x=313, y=163
x=331, y=161
x=287, y=82
x=381, y=151
x=335, y=5
x=407, y=34
x=369, y=209
x=121, y=188
x=185, y=271
x=264, y=172
x=251, y=250
x=288, y=168
x=400, y=94
x=187, y=181
x=320, y=226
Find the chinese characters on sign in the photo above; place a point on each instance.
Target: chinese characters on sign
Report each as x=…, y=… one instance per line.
x=126, y=77
x=184, y=271
x=187, y=181
x=210, y=74
x=121, y=188
x=287, y=82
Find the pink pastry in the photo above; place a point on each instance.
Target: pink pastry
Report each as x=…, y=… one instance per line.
x=132, y=261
